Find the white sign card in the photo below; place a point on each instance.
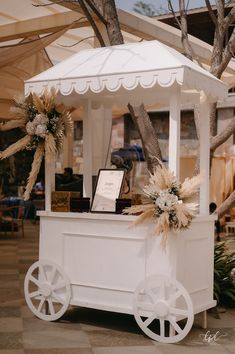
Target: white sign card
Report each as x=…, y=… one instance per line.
x=108, y=188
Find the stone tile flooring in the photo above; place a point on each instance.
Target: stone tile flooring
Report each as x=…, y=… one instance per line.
x=84, y=331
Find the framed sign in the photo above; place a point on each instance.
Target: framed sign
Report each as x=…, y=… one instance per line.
x=108, y=188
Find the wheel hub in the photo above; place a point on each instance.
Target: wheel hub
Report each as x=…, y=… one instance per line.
x=45, y=290
x=161, y=309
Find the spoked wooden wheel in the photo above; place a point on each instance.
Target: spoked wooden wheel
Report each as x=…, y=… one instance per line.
x=159, y=304
x=47, y=290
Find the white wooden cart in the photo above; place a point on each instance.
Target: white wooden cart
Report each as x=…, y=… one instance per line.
x=97, y=260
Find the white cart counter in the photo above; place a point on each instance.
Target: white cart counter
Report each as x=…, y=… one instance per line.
x=106, y=264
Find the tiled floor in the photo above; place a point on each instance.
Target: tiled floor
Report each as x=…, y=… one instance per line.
x=84, y=331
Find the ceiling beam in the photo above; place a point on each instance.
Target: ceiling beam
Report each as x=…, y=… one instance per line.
x=139, y=25
x=41, y=25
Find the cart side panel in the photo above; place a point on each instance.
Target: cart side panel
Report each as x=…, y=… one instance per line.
x=195, y=263
x=105, y=260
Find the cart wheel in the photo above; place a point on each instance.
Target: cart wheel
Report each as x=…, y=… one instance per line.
x=159, y=303
x=47, y=290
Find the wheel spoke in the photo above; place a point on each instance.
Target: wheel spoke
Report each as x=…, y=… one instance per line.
x=35, y=293
x=175, y=296
x=41, y=304
x=149, y=320
x=42, y=273
x=58, y=298
x=171, y=331
x=58, y=286
x=159, y=304
x=175, y=324
x=162, y=328
x=176, y=311
x=34, y=280
x=51, y=307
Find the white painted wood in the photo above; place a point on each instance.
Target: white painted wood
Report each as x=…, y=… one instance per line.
x=105, y=259
x=141, y=68
x=174, y=133
x=50, y=285
x=156, y=299
x=87, y=149
x=49, y=182
x=204, y=153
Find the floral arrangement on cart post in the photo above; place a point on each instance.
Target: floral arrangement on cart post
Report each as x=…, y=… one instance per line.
x=45, y=124
x=170, y=204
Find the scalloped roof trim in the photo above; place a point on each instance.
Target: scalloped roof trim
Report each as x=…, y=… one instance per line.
x=112, y=83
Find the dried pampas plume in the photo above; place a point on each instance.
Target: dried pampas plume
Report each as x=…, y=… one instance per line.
x=45, y=127
x=38, y=156
x=15, y=123
x=18, y=146
x=167, y=202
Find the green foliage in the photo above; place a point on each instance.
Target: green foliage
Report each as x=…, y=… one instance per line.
x=224, y=275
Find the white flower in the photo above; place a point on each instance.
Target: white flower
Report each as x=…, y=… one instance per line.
x=40, y=119
x=30, y=128
x=41, y=130
x=166, y=200
x=38, y=126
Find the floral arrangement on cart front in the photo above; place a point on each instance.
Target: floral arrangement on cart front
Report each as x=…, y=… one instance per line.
x=166, y=201
x=45, y=125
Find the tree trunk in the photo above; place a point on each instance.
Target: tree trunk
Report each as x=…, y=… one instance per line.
x=148, y=136
x=108, y=10
x=184, y=31
x=226, y=205
x=139, y=115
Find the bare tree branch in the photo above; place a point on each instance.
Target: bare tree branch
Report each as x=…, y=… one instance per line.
x=227, y=54
x=113, y=26
x=78, y=42
x=173, y=13
x=223, y=136
x=184, y=29
x=96, y=11
x=226, y=205
x=197, y=119
x=220, y=12
x=147, y=134
x=86, y=12
x=54, y=2
x=229, y=18
x=92, y=22
x=213, y=119
x=211, y=12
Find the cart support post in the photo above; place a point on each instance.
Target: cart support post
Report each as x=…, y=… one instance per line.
x=87, y=149
x=174, y=133
x=204, y=153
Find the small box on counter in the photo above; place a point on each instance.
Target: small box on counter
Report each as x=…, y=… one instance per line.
x=60, y=201
x=80, y=205
x=121, y=204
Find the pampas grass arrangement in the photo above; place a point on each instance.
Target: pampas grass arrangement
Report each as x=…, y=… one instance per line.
x=169, y=203
x=45, y=126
